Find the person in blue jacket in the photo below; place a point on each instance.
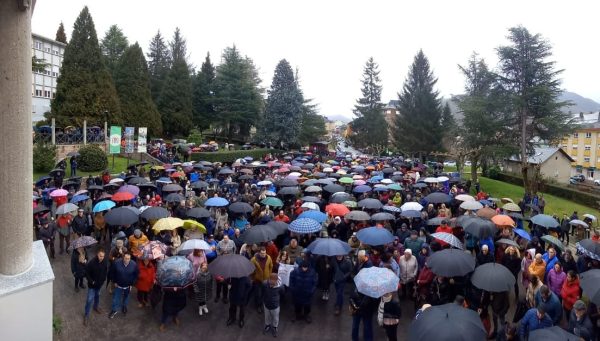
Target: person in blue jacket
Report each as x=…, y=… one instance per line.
x=535, y=318
x=548, y=300
x=124, y=274
x=550, y=258
x=303, y=283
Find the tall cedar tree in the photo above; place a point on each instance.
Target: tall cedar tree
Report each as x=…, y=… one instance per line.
x=532, y=84
x=60, y=34
x=283, y=111
x=132, y=83
x=313, y=124
x=417, y=128
x=238, y=96
x=113, y=46
x=159, y=63
x=85, y=88
x=203, y=95
x=369, y=126
x=175, y=101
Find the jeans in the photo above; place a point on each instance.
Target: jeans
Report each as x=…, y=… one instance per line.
x=164, y=317
x=367, y=327
x=222, y=287
x=301, y=310
x=93, y=296
x=391, y=331
x=120, y=298
x=339, y=294
x=272, y=317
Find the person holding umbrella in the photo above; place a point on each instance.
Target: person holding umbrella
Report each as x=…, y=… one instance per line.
x=238, y=298
x=80, y=224
x=362, y=307
x=388, y=316
x=95, y=272
x=78, y=262
x=124, y=274
x=342, y=270
x=303, y=283
x=64, y=236
x=174, y=301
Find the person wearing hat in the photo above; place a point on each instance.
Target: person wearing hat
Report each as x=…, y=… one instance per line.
x=303, y=283
x=46, y=234
x=408, y=272
x=136, y=241
x=580, y=323
x=80, y=224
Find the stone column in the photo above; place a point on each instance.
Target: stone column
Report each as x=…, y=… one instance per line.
x=16, y=173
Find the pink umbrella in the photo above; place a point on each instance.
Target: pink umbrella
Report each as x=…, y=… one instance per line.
x=59, y=193
x=359, y=182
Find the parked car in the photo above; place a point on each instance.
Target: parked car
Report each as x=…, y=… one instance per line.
x=577, y=178
x=450, y=163
x=597, y=182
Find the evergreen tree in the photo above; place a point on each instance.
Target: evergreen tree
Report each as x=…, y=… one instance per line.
x=175, y=101
x=532, y=85
x=448, y=123
x=369, y=126
x=60, y=34
x=113, y=46
x=85, y=89
x=417, y=128
x=313, y=124
x=132, y=83
x=203, y=95
x=283, y=112
x=159, y=63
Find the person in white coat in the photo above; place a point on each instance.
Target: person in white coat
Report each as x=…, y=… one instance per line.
x=408, y=273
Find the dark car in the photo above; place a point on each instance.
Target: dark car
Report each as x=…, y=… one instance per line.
x=577, y=178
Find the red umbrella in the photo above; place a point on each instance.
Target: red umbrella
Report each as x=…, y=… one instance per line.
x=337, y=209
x=122, y=196
x=178, y=175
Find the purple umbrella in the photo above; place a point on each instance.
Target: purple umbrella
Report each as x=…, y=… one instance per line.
x=135, y=190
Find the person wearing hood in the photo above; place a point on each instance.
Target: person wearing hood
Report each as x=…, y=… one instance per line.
x=136, y=241
x=423, y=255
x=580, y=323
x=203, y=288
x=272, y=292
x=570, y=292
x=303, y=283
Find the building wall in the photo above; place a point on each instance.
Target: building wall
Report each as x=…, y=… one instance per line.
x=43, y=88
x=584, y=146
x=557, y=168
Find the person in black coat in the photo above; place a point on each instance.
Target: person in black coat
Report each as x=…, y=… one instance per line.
x=78, y=262
x=80, y=224
x=342, y=270
x=362, y=308
x=484, y=256
x=388, y=316
x=95, y=273
x=512, y=261
x=174, y=301
x=303, y=283
x=325, y=273
x=238, y=298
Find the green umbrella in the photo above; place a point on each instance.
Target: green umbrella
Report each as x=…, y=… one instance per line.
x=350, y=204
x=272, y=201
x=553, y=240
x=346, y=180
x=395, y=187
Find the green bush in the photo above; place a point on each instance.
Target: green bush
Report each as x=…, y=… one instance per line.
x=493, y=172
x=195, y=137
x=231, y=156
x=92, y=159
x=44, y=157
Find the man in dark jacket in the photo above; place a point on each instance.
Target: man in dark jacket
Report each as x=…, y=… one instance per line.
x=95, y=272
x=124, y=274
x=80, y=224
x=46, y=234
x=303, y=283
x=580, y=323
x=535, y=318
x=362, y=308
x=238, y=298
x=342, y=271
x=484, y=256
x=272, y=292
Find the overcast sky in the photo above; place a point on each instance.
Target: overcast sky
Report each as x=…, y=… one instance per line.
x=329, y=41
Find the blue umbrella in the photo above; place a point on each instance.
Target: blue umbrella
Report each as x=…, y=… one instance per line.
x=104, y=205
x=216, y=202
x=41, y=180
x=411, y=214
x=362, y=189
x=329, y=247
x=545, y=220
x=375, y=236
x=485, y=202
x=316, y=215
x=305, y=225
x=522, y=233
x=376, y=282
x=381, y=189
x=393, y=209
x=78, y=198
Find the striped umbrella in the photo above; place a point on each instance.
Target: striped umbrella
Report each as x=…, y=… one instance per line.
x=305, y=226
x=448, y=238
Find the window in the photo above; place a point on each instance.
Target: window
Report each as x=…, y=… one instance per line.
x=53, y=94
x=575, y=146
x=47, y=49
x=54, y=74
x=586, y=159
x=575, y=135
x=55, y=52
x=588, y=135
x=38, y=93
x=38, y=45
x=588, y=147
x=564, y=146
x=46, y=93
x=590, y=173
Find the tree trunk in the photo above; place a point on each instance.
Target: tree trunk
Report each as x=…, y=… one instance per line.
x=474, y=165
x=524, y=165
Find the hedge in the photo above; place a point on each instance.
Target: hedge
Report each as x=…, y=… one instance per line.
x=92, y=158
x=44, y=157
x=572, y=194
x=231, y=156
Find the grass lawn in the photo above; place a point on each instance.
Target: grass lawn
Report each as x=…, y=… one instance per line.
x=120, y=166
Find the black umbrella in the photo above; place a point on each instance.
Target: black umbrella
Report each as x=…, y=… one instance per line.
x=420, y=185
x=198, y=212
x=245, y=177
x=279, y=226
x=240, y=207
x=174, y=197
x=388, y=170
x=57, y=172
x=231, y=266
x=438, y=198
x=41, y=210
x=95, y=188
x=555, y=333
x=226, y=171
x=199, y=185
x=120, y=216
x=451, y=262
x=76, y=179
x=448, y=322
x=370, y=203
x=437, y=221
x=172, y=188
x=590, y=284
x=288, y=191
x=136, y=180
x=259, y=234
x=493, y=277
x=589, y=248
x=480, y=227
x=310, y=198
x=287, y=183
x=147, y=186
x=340, y=197
x=382, y=216
x=333, y=188
x=154, y=213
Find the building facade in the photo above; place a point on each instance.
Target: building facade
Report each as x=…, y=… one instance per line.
x=583, y=146
x=43, y=88
x=390, y=111
x=553, y=162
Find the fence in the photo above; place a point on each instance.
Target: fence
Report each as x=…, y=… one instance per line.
x=69, y=135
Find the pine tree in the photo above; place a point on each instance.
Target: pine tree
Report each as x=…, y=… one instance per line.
x=85, y=89
x=283, y=112
x=113, y=46
x=313, y=124
x=448, y=123
x=175, y=101
x=60, y=34
x=417, y=128
x=369, y=126
x=159, y=63
x=132, y=83
x=203, y=95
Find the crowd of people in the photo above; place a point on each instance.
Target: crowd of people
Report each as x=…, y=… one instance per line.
x=280, y=191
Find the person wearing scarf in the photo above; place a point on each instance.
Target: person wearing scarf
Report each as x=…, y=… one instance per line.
x=388, y=316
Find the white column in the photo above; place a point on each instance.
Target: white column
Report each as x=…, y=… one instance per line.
x=84, y=132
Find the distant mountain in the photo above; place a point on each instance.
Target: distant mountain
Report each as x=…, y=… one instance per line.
x=580, y=103
x=339, y=117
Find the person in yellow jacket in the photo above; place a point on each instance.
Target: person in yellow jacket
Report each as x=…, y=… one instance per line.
x=136, y=241
x=263, y=266
x=538, y=267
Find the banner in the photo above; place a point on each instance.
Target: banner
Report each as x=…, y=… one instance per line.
x=142, y=134
x=115, y=140
x=129, y=144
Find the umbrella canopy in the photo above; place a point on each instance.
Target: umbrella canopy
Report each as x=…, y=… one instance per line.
x=264, y=183
x=226, y=171
x=448, y=238
x=287, y=182
x=216, y=202
x=375, y=236
x=195, y=244
x=511, y=207
x=313, y=189
x=370, y=203
x=198, y=212
x=578, y=223
x=66, y=208
x=272, y=201
x=231, y=266
x=168, y=223
x=240, y=207
x=503, y=220
x=358, y=215
x=362, y=189
x=329, y=247
x=120, y=216
x=175, y=272
x=438, y=198
x=199, y=185
x=336, y=209
x=392, y=209
x=305, y=225
x=83, y=241
x=122, y=196
x=58, y=193
x=507, y=242
x=479, y=227
x=310, y=198
x=310, y=206
x=411, y=206
x=154, y=250
x=135, y=190
x=259, y=234
x=451, y=262
x=315, y=215
x=464, y=197
x=448, y=322
x=41, y=210
x=553, y=240
x=435, y=221
x=279, y=226
x=79, y=198
x=545, y=220
x=589, y=248
x=555, y=333
x=174, y=198
x=288, y=191
x=590, y=284
x=340, y=197
x=382, y=216
x=590, y=216
x=471, y=205
x=522, y=233
x=155, y=213
x=493, y=277
x=486, y=212
x=410, y=214
x=376, y=282
x=189, y=224
x=346, y=180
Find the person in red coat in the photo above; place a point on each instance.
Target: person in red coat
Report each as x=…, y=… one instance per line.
x=145, y=281
x=443, y=228
x=272, y=250
x=570, y=292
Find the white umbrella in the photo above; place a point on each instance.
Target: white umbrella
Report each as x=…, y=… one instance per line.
x=195, y=244
x=328, y=170
x=578, y=222
x=387, y=181
x=411, y=206
x=358, y=177
x=443, y=178
x=341, y=172
x=116, y=180
x=591, y=216
x=464, y=197
x=431, y=180
x=264, y=183
x=310, y=206
x=471, y=205
x=295, y=174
